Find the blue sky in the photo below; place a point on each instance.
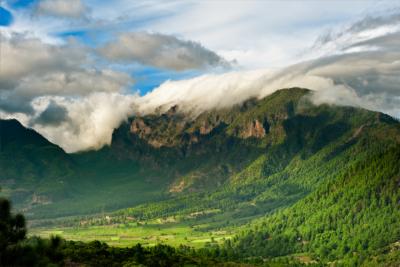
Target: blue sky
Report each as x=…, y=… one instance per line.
x=5, y=17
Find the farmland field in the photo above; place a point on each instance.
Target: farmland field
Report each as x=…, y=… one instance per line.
x=148, y=234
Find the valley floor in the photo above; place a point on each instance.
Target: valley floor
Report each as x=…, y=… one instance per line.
x=148, y=234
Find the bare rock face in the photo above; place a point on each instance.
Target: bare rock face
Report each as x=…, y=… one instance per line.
x=253, y=129
x=139, y=127
x=206, y=128
x=156, y=143
x=177, y=188
x=193, y=139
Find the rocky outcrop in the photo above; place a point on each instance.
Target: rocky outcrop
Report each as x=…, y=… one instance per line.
x=253, y=129
x=156, y=143
x=177, y=188
x=205, y=128
x=139, y=127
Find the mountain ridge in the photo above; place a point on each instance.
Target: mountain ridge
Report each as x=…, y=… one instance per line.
x=171, y=154
x=27, y=156
x=286, y=176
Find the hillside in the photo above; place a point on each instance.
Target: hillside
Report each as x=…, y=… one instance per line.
x=33, y=170
x=44, y=181
x=168, y=155
x=323, y=181
x=282, y=175
x=351, y=218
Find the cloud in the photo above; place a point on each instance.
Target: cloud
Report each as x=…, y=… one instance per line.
x=82, y=123
x=363, y=71
x=22, y=56
x=365, y=64
x=79, y=82
x=163, y=51
x=205, y=92
x=389, y=17
x=391, y=41
x=91, y=122
x=31, y=68
x=60, y=92
x=62, y=8
x=78, y=124
x=53, y=115
x=218, y=91
x=71, y=97
x=361, y=79
x=357, y=36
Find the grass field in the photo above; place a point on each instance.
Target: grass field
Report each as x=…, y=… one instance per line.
x=148, y=234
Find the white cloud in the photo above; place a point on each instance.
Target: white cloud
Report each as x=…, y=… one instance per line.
x=250, y=28
x=23, y=56
x=31, y=68
x=349, y=87
x=62, y=8
x=57, y=88
x=89, y=121
x=367, y=78
x=160, y=50
x=80, y=82
x=203, y=93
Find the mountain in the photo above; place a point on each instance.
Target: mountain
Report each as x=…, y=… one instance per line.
x=170, y=154
x=321, y=180
x=33, y=170
x=44, y=181
x=220, y=147
x=289, y=176
x=351, y=214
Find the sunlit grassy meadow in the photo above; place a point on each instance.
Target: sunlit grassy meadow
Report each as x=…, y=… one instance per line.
x=148, y=234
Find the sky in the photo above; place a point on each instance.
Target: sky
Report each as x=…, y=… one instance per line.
x=76, y=69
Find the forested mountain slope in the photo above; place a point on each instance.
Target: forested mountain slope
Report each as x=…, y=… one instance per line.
x=322, y=181
x=33, y=171
x=295, y=148
x=350, y=217
x=243, y=161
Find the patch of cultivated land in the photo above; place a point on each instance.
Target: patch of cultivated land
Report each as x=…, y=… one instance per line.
x=148, y=234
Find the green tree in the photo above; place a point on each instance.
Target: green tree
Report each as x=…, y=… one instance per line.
x=12, y=230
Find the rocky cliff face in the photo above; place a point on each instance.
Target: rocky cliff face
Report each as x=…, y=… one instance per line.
x=164, y=131
x=176, y=129
x=253, y=129
x=206, y=128
x=139, y=127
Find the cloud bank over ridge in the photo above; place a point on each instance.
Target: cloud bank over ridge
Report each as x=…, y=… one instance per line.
x=356, y=66
x=67, y=93
x=75, y=95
